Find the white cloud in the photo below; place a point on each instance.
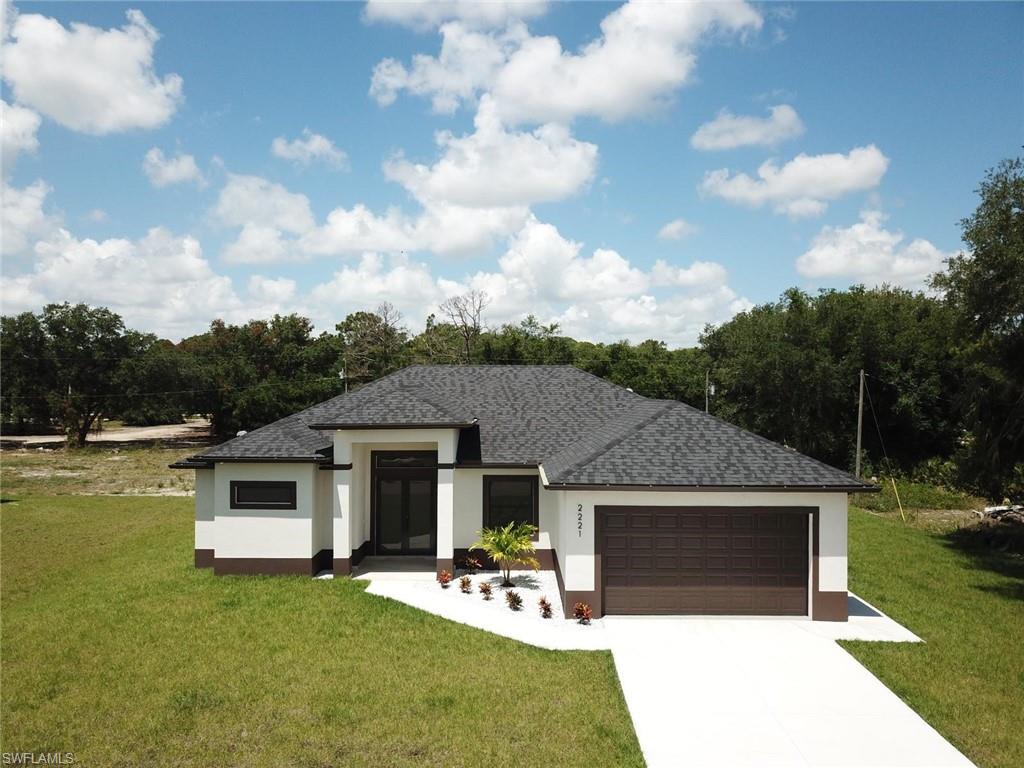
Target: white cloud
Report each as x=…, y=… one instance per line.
x=493, y=168
x=18, y=127
x=246, y=200
x=258, y=244
x=160, y=282
x=23, y=217
x=467, y=64
x=310, y=148
x=164, y=171
x=268, y=290
x=676, y=229
x=728, y=131
x=89, y=79
x=802, y=186
x=646, y=51
x=700, y=273
x=424, y=14
x=868, y=253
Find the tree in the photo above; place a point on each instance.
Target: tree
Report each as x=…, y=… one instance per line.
x=465, y=313
x=28, y=374
x=373, y=343
x=509, y=545
x=985, y=288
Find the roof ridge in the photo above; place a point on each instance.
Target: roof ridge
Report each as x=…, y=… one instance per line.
x=617, y=439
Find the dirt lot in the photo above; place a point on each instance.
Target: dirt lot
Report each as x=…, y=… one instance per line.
x=192, y=429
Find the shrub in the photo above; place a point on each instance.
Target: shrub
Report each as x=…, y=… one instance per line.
x=471, y=564
x=466, y=584
x=444, y=578
x=485, y=590
x=582, y=613
x=514, y=600
x=545, y=608
x=509, y=545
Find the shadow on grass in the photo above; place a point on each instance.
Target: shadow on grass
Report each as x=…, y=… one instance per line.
x=996, y=546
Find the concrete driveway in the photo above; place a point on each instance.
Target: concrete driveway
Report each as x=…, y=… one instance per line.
x=762, y=692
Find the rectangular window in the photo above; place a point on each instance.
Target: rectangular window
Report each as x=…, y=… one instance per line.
x=510, y=498
x=262, y=494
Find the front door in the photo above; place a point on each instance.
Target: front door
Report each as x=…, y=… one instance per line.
x=405, y=502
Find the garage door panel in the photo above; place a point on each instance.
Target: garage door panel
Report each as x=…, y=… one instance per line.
x=705, y=561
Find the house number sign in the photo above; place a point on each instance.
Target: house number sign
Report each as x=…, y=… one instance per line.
x=579, y=520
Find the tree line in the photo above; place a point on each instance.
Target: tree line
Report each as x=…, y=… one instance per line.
x=945, y=369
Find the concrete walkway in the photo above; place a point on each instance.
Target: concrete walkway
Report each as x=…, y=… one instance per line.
x=749, y=692
x=722, y=692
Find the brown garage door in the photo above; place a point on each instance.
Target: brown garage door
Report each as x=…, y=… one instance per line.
x=690, y=560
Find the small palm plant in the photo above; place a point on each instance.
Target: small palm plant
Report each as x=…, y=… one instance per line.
x=509, y=545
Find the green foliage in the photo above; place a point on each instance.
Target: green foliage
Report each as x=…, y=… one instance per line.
x=915, y=496
x=509, y=545
x=984, y=287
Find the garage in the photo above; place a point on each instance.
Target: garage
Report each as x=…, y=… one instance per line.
x=703, y=560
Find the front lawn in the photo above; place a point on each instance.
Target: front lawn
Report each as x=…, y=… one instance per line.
x=116, y=649
x=967, y=678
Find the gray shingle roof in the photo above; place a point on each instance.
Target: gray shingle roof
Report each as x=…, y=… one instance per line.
x=584, y=430
x=672, y=444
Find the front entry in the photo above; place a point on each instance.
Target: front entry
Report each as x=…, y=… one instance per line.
x=404, y=502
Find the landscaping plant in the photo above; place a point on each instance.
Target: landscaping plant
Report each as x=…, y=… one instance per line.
x=485, y=590
x=582, y=613
x=444, y=578
x=472, y=564
x=509, y=545
x=545, y=608
x=466, y=584
x=514, y=600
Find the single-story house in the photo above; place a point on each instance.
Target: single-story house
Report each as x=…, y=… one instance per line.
x=643, y=506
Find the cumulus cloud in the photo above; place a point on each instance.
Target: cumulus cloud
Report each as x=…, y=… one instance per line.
x=23, y=217
x=246, y=200
x=308, y=149
x=88, y=79
x=425, y=14
x=676, y=229
x=18, y=127
x=644, y=53
x=868, y=253
x=467, y=64
x=493, y=167
x=728, y=131
x=164, y=171
x=804, y=185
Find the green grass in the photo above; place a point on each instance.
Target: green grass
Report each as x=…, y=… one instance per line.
x=915, y=496
x=117, y=649
x=91, y=470
x=967, y=678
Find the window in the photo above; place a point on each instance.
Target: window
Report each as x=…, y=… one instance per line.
x=262, y=494
x=510, y=498
x=405, y=460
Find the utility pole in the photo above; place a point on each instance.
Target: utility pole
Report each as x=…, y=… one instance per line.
x=860, y=423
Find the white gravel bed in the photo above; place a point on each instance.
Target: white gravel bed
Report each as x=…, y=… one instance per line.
x=494, y=615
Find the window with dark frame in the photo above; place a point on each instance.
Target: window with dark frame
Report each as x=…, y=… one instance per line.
x=263, y=494
x=510, y=498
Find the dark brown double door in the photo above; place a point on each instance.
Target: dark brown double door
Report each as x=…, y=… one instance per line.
x=404, y=502
x=703, y=560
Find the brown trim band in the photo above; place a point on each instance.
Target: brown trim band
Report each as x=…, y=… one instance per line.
x=264, y=459
x=445, y=466
x=713, y=488
x=825, y=606
x=445, y=564
x=495, y=465
x=546, y=558
x=343, y=566
x=189, y=464
x=438, y=425
x=335, y=466
x=204, y=558
x=270, y=566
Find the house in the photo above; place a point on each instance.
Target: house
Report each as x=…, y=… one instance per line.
x=643, y=506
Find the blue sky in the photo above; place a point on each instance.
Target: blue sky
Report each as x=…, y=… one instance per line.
x=567, y=150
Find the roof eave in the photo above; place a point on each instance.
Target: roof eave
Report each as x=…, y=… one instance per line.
x=556, y=486
x=403, y=425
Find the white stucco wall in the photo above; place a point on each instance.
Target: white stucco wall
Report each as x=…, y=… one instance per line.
x=469, y=506
x=576, y=550
x=265, y=532
x=205, y=497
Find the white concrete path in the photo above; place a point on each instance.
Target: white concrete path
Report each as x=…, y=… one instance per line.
x=748, y=692
x=722, y=692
